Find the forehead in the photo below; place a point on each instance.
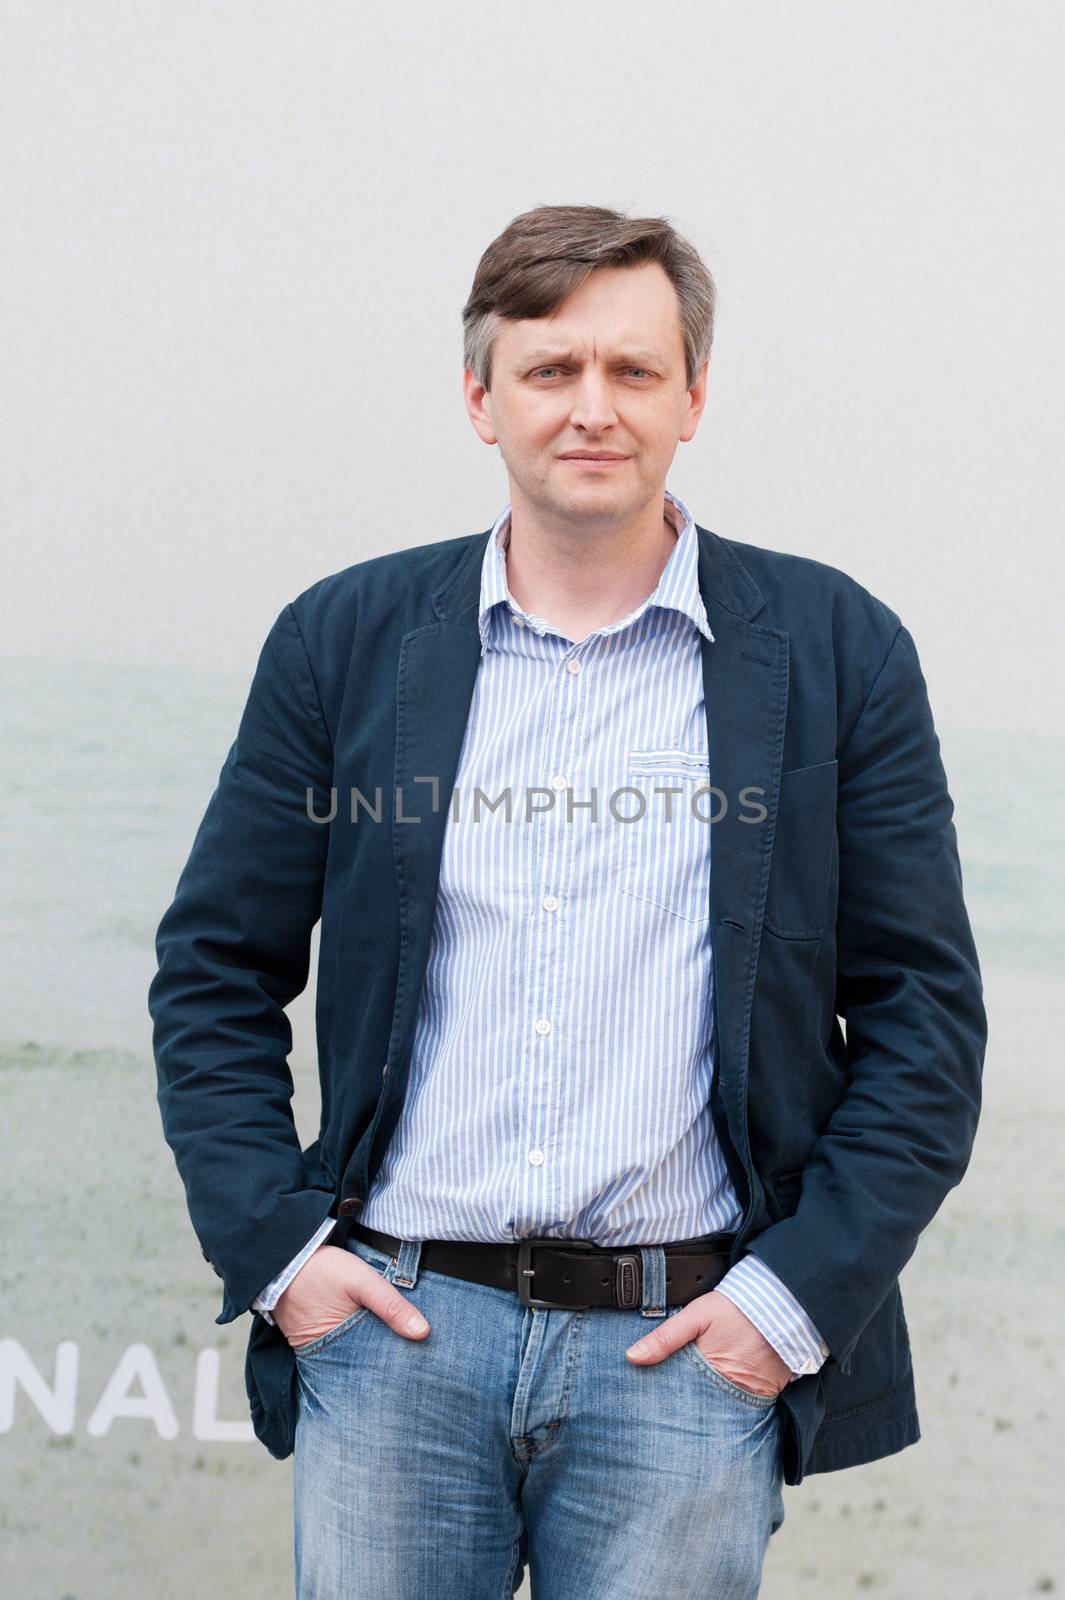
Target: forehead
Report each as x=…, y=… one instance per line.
x=617, y=311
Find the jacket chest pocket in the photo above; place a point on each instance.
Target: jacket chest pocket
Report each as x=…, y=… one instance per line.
x=805, y=853
x=664, y=852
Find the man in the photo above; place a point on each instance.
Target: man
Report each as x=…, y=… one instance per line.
x=600, y=1239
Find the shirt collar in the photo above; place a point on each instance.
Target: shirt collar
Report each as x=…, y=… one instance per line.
x=677, y=588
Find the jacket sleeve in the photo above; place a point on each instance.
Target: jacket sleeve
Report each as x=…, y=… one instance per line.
x=233, y=950
x=909, y=990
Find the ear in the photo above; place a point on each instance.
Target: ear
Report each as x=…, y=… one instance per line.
x=696, y=403
x=478, y=406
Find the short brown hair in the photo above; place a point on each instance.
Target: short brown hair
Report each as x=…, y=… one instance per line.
x=543, y=255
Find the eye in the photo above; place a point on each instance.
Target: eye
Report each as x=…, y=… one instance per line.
x=538, y=372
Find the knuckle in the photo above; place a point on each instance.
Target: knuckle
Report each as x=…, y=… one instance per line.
x=658, y=1341
x=395, y=1307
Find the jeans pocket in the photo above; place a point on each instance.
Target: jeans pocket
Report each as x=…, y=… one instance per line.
x=384, y=1264
x=708, y=1370
x=312, y=1346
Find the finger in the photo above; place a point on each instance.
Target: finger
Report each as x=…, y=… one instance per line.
x=387, y=1303
x=663, y=1340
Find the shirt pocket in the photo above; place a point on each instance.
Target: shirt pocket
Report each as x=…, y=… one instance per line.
x=805, y=853
x=664, y=853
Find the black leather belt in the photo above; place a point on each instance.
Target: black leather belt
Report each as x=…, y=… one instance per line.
x=570, y=1274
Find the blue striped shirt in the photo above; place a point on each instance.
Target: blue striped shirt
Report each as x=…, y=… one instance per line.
x=564, y=1046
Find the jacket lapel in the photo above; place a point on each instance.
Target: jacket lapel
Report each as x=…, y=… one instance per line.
x=437, y=670
x=745, y=684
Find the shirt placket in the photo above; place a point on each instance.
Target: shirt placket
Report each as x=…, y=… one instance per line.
x=556, y=839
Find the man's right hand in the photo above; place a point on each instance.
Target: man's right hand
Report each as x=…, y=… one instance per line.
x=330, y=1286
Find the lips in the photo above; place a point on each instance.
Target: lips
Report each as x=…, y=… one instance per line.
x=581, y=455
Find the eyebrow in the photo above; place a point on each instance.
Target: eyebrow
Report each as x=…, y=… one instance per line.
x=535, y=357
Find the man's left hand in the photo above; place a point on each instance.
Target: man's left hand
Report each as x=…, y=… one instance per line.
x=729, y=1341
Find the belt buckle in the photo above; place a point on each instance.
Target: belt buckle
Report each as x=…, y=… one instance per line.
x=526, y=1271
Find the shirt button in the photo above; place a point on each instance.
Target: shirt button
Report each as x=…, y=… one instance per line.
x=536, y=1157
x=519, y=622
x=542, y=1025
x=550, y=902
x=559, y=782
x=573, y=666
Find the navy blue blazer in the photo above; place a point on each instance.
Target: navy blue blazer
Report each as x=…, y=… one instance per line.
x=842, y=908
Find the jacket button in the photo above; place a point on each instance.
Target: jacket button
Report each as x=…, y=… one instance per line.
x=350, y=1207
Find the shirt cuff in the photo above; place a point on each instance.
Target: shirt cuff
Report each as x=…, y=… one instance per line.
x=267, y=1298
x=764, y=1300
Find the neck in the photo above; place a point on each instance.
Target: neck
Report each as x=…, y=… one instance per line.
x=579, y=575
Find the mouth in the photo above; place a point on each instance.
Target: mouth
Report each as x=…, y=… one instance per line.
x=594, y=458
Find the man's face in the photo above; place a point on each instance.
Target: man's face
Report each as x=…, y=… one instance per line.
x=603, y=373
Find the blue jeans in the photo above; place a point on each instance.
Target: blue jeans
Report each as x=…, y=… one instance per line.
x=435, y=1469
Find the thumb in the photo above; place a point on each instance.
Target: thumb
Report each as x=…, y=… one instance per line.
x=668, y=1336
x=373, y=1289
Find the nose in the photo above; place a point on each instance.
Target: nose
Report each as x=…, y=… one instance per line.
x=593, y=406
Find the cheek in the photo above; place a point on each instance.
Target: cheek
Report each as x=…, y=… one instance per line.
x=662, y=424
x=531, y=427
x=546, y=436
